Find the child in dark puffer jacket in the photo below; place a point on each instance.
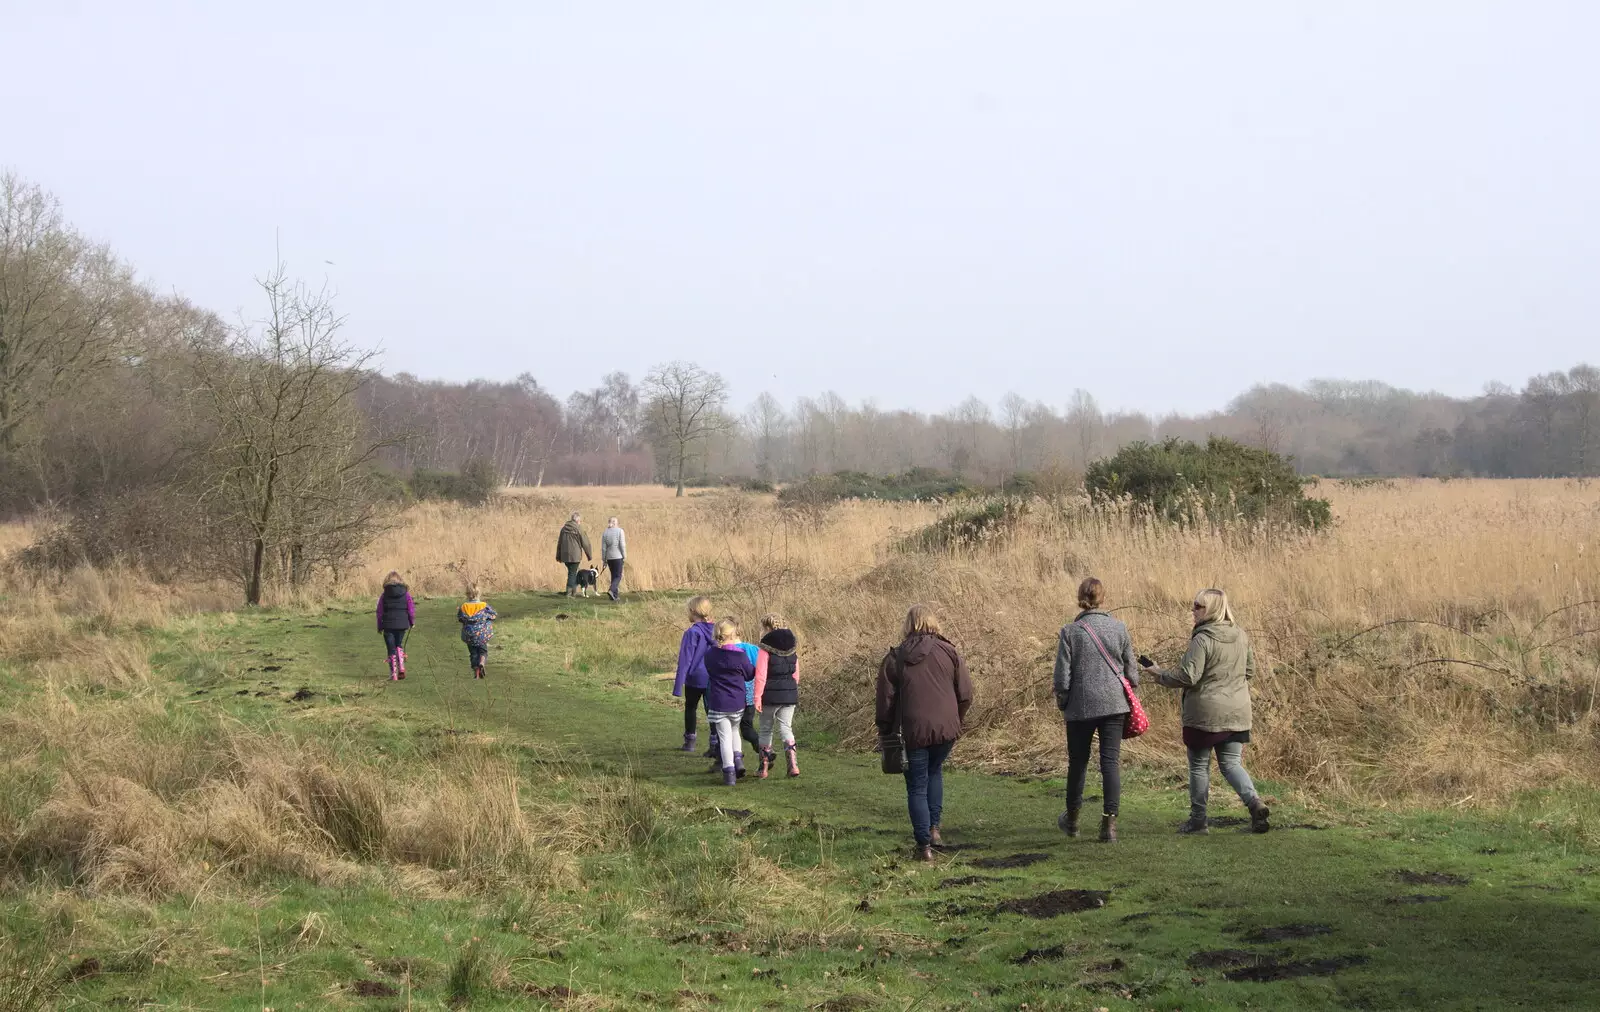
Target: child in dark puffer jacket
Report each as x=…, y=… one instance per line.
x=397, y=613
x=777, y=688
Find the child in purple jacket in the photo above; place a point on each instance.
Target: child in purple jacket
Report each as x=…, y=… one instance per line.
x=691, y=680
x=728, y=671
x=397, y=613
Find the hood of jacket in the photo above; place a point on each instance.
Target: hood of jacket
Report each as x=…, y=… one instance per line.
x=916, y=647
x=395, y=592
x=779, y=642
x=703, y=633
x=571, y=527
x=1225, y=633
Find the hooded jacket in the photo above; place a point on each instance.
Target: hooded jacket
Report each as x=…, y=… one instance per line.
x=396, y=610
x=1215, y=678
x=477, y=623
x=777, y=670
x=924, y=691
x=572, y=545
x=697, y=639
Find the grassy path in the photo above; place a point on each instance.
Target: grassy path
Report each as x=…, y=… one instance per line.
x=1366, y=910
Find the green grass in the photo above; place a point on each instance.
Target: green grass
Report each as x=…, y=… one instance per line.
x=673, y=912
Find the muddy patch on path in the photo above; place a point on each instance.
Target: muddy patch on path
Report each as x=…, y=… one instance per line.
x=373, y=989
x=1013, y=861
x=968, y=880
x=1048, y=954
x=1431, y=878
x=1221, y=959
x=1055, y=903
x=1270, y=969
x=1286, y=933
x=1409, y=900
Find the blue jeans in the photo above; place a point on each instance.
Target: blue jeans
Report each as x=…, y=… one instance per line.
x=1230, y=759
x=393, y=638
x=925, y=788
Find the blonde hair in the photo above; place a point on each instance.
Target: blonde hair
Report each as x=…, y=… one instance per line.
x=1213, y=607
x=920, y=619
x=771, y=621
x=472, y=592
x=727, y=631
x=393, y=578
x=700, y=609
x=1091, y=594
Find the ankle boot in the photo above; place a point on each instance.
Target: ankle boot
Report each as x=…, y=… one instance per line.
x=1068, y=822
x=1259, y=813
x=1196, y=825
x=712, y=752
x=766, y=764
x=794, y=760
x=1108, y=829
x=738, y=764
x=688, y=741
x=729, y=776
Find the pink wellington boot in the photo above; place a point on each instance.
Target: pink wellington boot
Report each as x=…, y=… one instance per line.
x=400, y=655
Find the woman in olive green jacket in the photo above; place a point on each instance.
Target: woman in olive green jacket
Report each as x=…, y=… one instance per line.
x=1215, y=678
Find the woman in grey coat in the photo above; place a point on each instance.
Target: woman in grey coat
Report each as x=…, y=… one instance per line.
x=1093, y=655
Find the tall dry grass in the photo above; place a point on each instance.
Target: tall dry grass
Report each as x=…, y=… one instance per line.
x=1440, y=642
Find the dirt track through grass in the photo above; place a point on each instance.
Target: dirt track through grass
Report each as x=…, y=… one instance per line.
x=1299, y=918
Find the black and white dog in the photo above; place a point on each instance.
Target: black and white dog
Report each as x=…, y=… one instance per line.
x=588, y=579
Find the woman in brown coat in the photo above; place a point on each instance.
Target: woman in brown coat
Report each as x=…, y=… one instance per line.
x=924, y=692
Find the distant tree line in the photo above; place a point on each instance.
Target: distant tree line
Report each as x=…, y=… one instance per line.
x=269, y=449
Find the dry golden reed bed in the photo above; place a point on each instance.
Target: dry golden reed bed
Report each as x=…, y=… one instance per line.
x=1440, y=642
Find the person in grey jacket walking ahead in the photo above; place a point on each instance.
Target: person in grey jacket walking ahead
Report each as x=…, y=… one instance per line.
x=1093, y=654
x=613, y=550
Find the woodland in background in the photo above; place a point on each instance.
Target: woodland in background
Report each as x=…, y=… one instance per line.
x=266, y=450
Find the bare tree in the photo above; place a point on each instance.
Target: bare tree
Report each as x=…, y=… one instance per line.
x=768, y=425
x=1085, y=422
x=62, y=299
x=1014, y=409
x=684, y=409
x=284, y=470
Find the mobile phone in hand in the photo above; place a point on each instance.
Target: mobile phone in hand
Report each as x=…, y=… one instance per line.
x=1145, y=662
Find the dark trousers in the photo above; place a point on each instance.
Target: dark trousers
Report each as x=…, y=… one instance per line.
x=477, y=655
x=572, y=576
x=615, y=565
x=925, y=788
x=747, y=728
x=691, y=706
x=394, y=639
x=1080, y=733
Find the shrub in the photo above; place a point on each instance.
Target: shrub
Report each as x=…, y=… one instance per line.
x=151, y=529
x=1183, y=482
x=916, y=484
x=475, y=484
x=969, y=525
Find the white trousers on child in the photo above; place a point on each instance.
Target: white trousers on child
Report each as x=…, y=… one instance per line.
x=726, y=727
x=784, y=717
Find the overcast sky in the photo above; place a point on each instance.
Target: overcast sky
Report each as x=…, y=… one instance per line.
x=905, y=201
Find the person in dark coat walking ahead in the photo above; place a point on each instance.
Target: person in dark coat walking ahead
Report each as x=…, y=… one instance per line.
x=572, y=550
x=1093, y=654
x=397, y=613
x=924, y=692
